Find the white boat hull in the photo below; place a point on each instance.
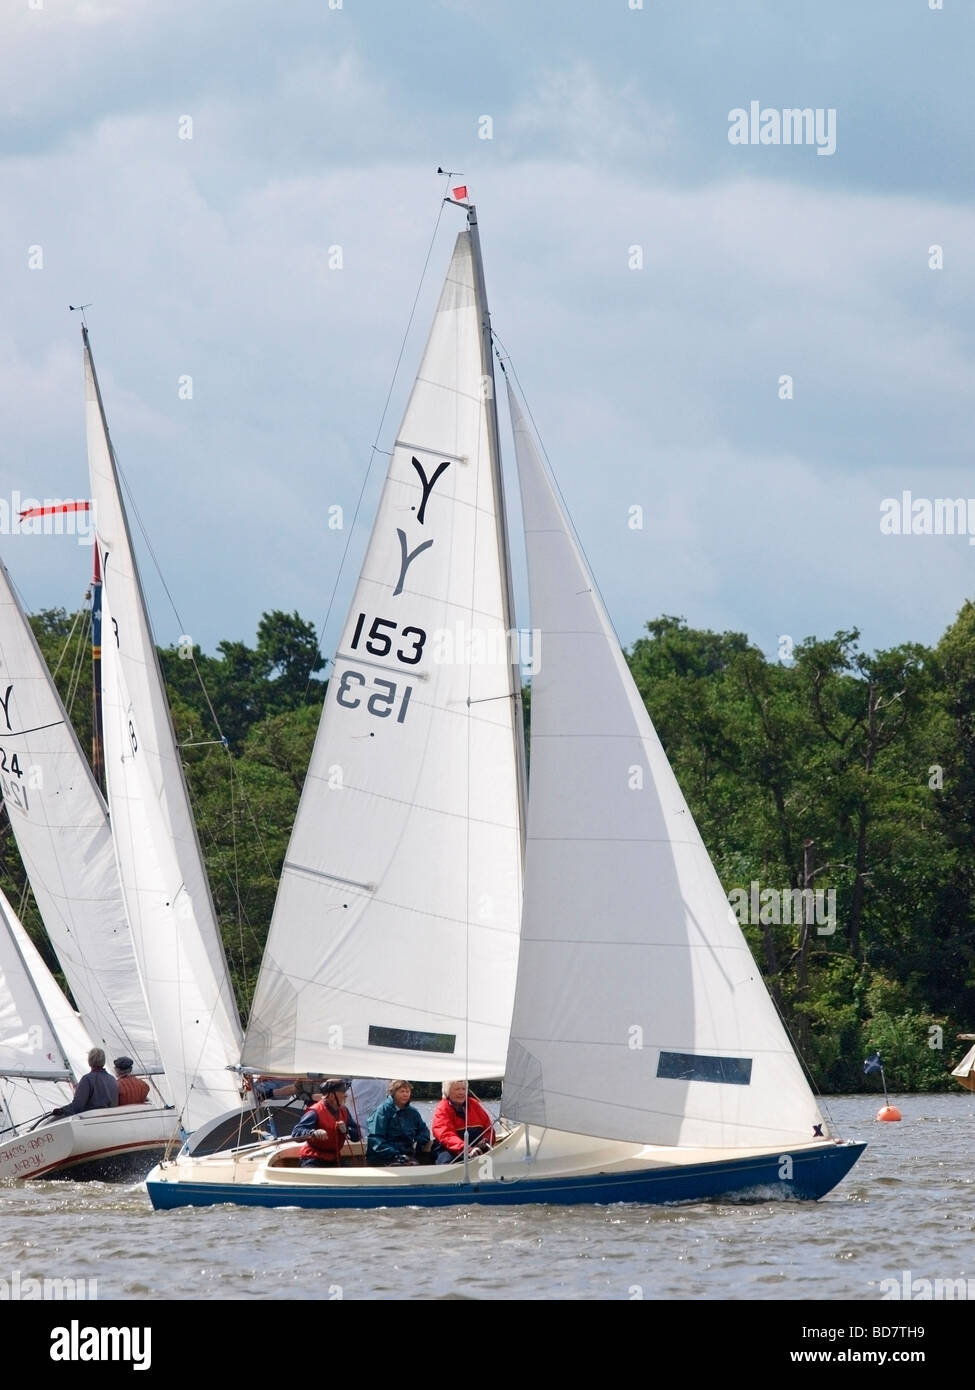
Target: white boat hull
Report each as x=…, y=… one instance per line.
x=547, y=1166
x=111, y=1145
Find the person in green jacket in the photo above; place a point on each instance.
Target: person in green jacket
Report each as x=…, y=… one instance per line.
x=397, y=1132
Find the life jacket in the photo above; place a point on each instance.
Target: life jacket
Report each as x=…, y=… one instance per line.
x=327, y=1120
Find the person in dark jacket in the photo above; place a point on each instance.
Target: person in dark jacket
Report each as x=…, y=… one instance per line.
x=397, y=1132
x=325, y=1127
x=95, y=1091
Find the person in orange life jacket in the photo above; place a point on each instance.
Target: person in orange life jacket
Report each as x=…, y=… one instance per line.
x=95, y=1091
x=460, y=1116
x=325, y=1127
x=132, y=1090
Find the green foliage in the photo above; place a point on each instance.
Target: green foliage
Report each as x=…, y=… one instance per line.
x=838, y=770
x=848, y=772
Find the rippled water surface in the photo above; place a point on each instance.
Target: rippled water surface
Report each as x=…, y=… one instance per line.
x=909, y=1204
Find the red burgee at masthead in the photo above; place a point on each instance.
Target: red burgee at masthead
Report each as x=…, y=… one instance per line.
x=54, y=509
x=460, y=193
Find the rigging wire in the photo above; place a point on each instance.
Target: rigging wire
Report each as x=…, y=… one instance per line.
x=503, y=356
x=80, y=663
x=67, y=640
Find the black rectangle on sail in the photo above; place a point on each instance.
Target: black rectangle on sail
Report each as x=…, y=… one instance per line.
x=411, y=1041
x=686, y=1066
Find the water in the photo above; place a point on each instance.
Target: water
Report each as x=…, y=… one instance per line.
x=908, y=1205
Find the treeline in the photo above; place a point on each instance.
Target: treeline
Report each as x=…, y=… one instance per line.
x=845, y=774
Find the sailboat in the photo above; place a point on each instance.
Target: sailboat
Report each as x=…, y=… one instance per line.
x=43, y=1051
x=43, y=1048
x=964, y=1073
x=432, y=923
x=59, y=822
x=164, y=885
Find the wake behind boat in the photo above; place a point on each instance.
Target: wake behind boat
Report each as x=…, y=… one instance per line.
x=431, y=924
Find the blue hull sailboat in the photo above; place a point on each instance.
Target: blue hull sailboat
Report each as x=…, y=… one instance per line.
x=436, y=922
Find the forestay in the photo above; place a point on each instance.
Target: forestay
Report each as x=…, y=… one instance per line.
x=394, y=940
x=640, y=1014
x=167, y=896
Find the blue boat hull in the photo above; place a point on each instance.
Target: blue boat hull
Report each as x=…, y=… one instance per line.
x=813, y=1174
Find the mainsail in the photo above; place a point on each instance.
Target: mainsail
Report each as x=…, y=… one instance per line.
x=394, y=940
x=61, y=826
x=640, y=1014
x=164, y=883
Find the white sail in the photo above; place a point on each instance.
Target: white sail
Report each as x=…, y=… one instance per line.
x=964, y=1073
x=394, y=940
x=167, y=896
x=640, y=1014
x=61, y=827
x=40, y=1035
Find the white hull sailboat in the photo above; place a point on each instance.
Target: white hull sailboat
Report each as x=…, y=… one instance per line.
x=60, y=823
x=431, y=924
x=126, y=902
x=43, y=1049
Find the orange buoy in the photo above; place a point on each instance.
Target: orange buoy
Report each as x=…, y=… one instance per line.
x=888, y=1112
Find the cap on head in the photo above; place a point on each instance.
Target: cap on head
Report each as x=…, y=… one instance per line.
x=123, y=1064
x=334, y=1083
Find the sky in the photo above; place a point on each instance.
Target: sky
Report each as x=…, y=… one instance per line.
x=753, y=343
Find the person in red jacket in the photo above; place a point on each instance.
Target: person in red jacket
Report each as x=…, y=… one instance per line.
x=458, y=1116
x=132, y=1090
x=325, y=1126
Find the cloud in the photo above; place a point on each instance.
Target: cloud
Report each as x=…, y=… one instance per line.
x=574, y=115
x=213, y=258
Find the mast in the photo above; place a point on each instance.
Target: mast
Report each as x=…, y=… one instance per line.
x=97, y=746
x=504, y=550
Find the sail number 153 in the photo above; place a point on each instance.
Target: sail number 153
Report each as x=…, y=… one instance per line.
x=381, y=702
x=384, y=637
x=380, y=637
